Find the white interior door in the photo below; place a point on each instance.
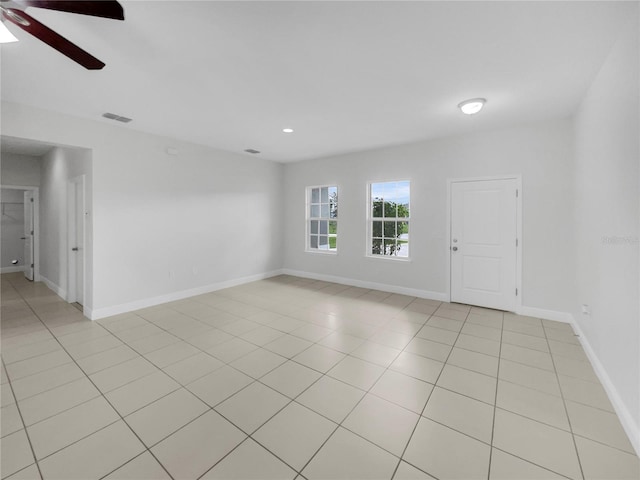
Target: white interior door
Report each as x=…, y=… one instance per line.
x=76, y=240
x=28, y=235
x=484, y=241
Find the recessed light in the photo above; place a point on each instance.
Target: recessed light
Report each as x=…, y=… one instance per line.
x=287, y=130
x=472, y=106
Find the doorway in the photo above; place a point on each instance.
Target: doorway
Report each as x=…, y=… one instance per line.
x=485, y=242
x=20, y=230
x=76, y=240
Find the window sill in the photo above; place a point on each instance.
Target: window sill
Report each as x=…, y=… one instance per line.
x=322, y=252
x=392, y=258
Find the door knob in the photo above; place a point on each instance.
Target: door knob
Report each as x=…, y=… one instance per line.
x=455, y=249
x=75, y=249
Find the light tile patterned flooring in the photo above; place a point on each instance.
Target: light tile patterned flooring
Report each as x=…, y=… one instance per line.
x=293, y=378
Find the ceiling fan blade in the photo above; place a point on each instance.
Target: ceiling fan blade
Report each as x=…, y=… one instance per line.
x=99, y=8
x=51, y=38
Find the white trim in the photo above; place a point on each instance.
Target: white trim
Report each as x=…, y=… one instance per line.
x=626, y=418
x=391, y=258
x=309, y=218
x=317, y=251
x=414, y=292
x=20, y=187
x=370, y=219
x=554, y=315
x=71, y=238
x=14, y=269
x=518, y=179
x=52, y=286
x=97, y=313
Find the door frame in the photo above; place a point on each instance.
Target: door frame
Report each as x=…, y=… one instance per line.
x=518, y=179
x=36, y=225
x=71, y=239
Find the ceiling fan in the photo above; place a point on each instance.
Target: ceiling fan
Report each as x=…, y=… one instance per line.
x=13, y=11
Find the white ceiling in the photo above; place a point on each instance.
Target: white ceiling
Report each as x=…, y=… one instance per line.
x=21, y=146
x=346, y=76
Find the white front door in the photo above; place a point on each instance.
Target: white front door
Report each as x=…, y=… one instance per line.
x=484, y=241
x=28, y=234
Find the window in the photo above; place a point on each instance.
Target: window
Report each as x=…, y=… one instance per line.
x=322, y=219
x=389, y=219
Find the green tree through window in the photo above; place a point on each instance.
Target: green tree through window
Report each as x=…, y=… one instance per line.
x=389, y=225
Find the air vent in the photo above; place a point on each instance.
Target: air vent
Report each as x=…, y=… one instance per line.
x=117, y=118
x=251, y=150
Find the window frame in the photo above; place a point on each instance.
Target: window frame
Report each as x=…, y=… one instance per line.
x=371, y=219
x=308, y=218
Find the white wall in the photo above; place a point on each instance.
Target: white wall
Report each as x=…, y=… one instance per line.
x=59, y=166
x=541, y=153
x=607, y=223
x=20, y=170
x=165, y=225
x=12, y=229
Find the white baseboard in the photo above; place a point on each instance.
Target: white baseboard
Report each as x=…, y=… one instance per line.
x=52, y=286
x=628, y=423
x=631, y=428
x=103, y=312
x=414, y=292
x=12, y=269
x=554, y=315
x=625, y=416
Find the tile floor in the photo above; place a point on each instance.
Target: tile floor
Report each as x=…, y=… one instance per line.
x=293, y=378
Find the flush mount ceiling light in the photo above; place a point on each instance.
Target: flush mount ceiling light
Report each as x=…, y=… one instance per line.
x=287, y=130
x=472, y=106
x=5, y=35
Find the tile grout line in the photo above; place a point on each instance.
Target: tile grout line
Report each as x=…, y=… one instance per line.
x=52, y=388
x=105, y=398
x=428, y=316
x=304, y=406
x=495, y=401
x=495, y=408
x=365, y=339
x=243, y=388
x=566, y=410
x=421, y=416
x=24, y=427
x=529, y=418
x=291, y=400
x=210, y=408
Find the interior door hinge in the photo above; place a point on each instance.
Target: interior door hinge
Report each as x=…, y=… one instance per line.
x=516, y=242
x=516, y=292
x=516, y=193
x=32, y=265
x=31, y=200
